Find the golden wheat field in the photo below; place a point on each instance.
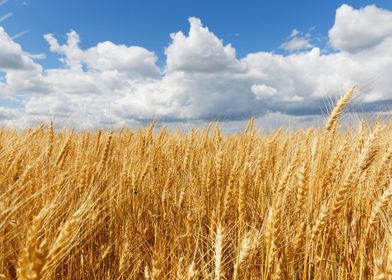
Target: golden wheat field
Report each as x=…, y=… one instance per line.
x=153, y=204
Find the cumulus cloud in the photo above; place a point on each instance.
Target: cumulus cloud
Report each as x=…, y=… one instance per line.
x=188, y=96
x=200, y=51
x=106, y=56
x=12, y=56
x=71, y=51
x=22, y=74
x=356, y=30
x=262, y=91
x=111, y=84
x=135, y=61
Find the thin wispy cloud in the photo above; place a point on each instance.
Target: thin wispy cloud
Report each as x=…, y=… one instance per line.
x=36, y=55
x=20, y=34
x=6, y=16
x=2, y=2
x=294, y=33
x=297, y=41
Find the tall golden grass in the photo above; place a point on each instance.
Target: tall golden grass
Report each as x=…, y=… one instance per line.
x=148, y=204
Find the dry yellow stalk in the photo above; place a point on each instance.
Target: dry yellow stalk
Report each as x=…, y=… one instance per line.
x=338, y=110
x=34, y=254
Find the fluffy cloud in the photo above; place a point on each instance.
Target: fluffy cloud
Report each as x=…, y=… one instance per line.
x=106, y=56
x=109, y=85
x=355, y=30
x=11, y=55
x=135, y=61
x=262, y=91
x=188, y=96
x=22, y=74
x=200, y=51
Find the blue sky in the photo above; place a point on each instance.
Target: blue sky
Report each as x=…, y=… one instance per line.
x=225, y=60
x=249, y=25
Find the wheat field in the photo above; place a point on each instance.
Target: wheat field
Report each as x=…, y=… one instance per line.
x=154, y=204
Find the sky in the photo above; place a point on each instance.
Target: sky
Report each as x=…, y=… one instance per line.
x=90, y=64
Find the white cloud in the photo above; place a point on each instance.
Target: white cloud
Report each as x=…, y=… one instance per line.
x=297, y=41
x=11, y=54
x=106, y=56
x=2, y=2
x=356, y=30
x=70, y=50
x=263, y=91
x=135, y=61
x=22, y=74
x=110, y=84
x=200, y=51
